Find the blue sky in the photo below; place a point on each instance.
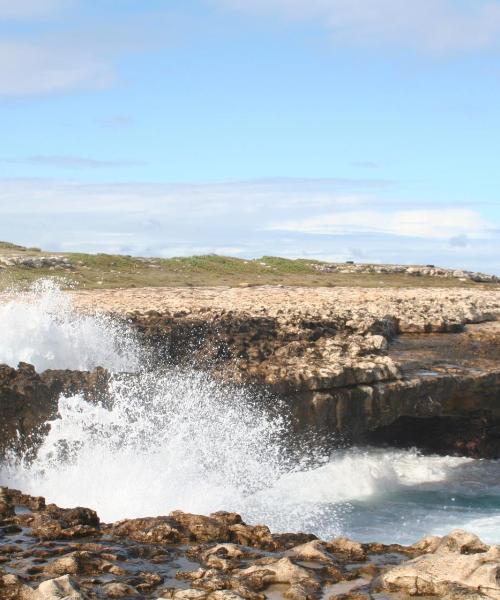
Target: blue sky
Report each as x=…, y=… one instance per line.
x=340, y=129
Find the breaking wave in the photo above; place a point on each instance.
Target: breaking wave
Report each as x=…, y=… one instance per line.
x=41, y=327
x=177, y=439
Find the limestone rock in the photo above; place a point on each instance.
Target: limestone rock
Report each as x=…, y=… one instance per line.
x=62, y=588
x=54, y=523
x=460, y=566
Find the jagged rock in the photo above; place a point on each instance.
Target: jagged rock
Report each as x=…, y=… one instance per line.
x=269, y=571
x=6, y=505
x=332, y=352
x=54, y=523
x=427, y=544
x=189, y=594
x=78, y=563
x=461, y=564
x=28, y=400
x=457, y=566
x=149, y=530
x=62, y=588
x=346, y=547
x=13, y=588
x=119, y=590
x=313, y=551
x=200, y=528
x=258, y=536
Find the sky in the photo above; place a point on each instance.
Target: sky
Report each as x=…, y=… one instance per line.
x=365, y=130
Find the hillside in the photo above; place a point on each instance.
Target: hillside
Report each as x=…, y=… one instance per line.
x=20, y=266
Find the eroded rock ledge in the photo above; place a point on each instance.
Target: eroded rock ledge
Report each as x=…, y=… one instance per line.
x=52, y=553
x=400, y=367
x=353, y=362
x=29, y=400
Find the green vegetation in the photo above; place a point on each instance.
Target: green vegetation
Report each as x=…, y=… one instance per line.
x=112, y=271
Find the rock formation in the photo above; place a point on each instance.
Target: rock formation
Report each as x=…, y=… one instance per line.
x=351, y=362
x=414, y=270
x=379, y=366
x=51, y=553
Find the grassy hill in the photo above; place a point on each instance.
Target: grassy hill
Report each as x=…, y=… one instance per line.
x=21, y=266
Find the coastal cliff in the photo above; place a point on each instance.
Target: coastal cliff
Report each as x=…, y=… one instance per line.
x=381, y=366
x=407, y=367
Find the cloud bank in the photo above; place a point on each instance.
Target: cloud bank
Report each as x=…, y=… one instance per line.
x=430, y=26
x=327, y=219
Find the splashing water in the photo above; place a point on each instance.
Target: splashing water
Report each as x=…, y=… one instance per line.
x=177, y=439
x=41, y=327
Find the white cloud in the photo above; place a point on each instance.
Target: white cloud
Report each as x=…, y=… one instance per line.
x=70, y=162
x=31, y=9
x=357, y=219
x=69, y=50
x=278, y=196
x=44, y=67
x=439, y=223
x=437, y=26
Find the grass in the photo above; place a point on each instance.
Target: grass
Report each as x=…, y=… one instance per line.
x=100, y=271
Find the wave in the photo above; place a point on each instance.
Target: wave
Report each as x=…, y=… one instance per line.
x=41, y=327
x=177, y=439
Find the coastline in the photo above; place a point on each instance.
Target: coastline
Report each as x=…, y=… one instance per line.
x=367, y=365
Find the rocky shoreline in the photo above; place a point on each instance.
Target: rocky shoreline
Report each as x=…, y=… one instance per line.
x=409, y=367
x=366, y=366
x=52, y=553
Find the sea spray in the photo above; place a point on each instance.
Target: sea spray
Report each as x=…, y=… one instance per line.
x=40, y=326
x=171, y=440
x=177, y=439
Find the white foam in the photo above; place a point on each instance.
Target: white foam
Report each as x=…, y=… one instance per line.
x=42, y=327
x=179, y=440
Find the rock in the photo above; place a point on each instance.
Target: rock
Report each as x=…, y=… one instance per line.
x=54, y=523
x=13, y=588
x=460, y=566
x=200, y=528
x=119, y=590
x=29, y=400
x=67, y=565
x=346, y=547
x=224, y=595
x=277, y=571
x=6, y=506
x=427, y=544
x=189, y=594
x=62, y=588
x=311, y=551
x=80, y=562
x=225, y=550
x=258, y=536
x=149, y=530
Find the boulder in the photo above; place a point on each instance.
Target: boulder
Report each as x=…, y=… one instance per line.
x=460, y=566
x=62, y=588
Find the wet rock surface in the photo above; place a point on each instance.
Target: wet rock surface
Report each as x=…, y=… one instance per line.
x=29, y=399
x=47, y=552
